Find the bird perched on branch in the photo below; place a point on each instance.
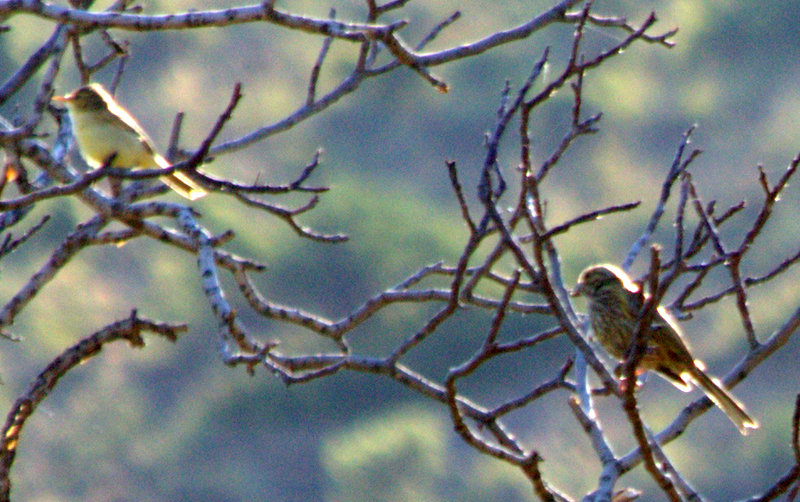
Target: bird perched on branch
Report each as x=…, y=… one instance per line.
x=105, y=132
x=615, y=304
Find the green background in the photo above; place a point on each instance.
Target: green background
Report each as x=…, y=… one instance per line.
x=171, y=422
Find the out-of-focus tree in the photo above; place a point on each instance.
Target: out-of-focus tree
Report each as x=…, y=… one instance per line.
x=503, y=291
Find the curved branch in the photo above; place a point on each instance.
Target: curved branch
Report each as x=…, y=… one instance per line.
x=129, y=329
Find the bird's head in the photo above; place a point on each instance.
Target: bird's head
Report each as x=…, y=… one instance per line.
x=87, y=98
x=597, y=279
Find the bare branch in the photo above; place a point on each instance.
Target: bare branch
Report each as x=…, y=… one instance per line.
x=129, y=329
x=508, y=266
x=200, y=19
x=679, y=165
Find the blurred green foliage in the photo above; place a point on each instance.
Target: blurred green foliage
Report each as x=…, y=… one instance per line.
x=172, y=423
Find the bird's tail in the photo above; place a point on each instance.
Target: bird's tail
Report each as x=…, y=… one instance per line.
x=179, y=182
x=184, y=185
x=724, y=400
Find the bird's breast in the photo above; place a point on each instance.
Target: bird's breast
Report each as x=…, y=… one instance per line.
x=98, y=140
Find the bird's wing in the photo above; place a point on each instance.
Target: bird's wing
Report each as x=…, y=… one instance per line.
x=130, y=123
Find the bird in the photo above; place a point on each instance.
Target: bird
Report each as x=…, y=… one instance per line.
x=615, y=303
x=107, y=134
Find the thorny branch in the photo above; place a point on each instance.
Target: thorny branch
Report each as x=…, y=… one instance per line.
x=479, y=280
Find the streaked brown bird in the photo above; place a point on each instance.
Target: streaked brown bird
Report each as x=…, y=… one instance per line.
x=615, y=303
x=103, y=128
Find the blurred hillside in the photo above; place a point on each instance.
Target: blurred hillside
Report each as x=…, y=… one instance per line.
x=172, y=423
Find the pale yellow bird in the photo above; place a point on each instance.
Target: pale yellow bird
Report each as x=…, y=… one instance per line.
x=103, y=128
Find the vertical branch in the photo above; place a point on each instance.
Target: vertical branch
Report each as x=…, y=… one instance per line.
x=796, y=431
x=636, y=352
x=323, y=51
x=230, y=328
x=679, y=165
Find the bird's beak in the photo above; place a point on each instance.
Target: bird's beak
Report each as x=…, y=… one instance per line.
x=578, y=291
x=65, y=98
